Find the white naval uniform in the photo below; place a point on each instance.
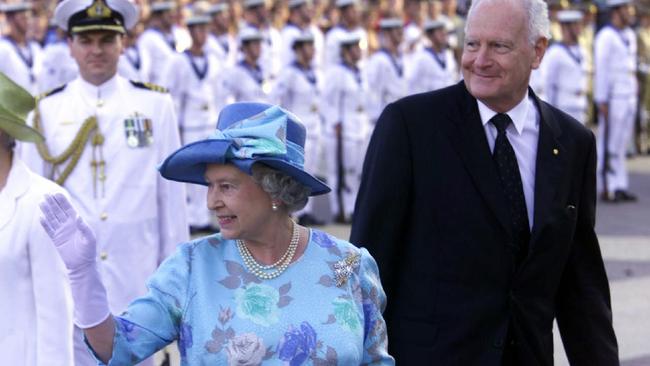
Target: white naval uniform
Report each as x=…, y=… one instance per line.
x=615, y=83
x=223, y=48
x=137, y=216
x=158, y=48
x=270, y=56
x=332, y=56
x=344, y=101
x=385, y=72
x=133, y=64
x=36, y=306
x=58, y=67
x=242, y=83
x=566, y=75
x=298, y=90
x=21, y=64
x=193, y=83
x=431, y=71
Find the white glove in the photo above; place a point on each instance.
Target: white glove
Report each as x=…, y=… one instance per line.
x=76, y=245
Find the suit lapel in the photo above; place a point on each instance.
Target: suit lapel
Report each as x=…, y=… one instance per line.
x=550, y=165
x=470, y=141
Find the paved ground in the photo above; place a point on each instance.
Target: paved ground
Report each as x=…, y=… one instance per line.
x=624, y=232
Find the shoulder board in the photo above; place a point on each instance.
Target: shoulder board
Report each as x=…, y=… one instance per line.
x=149, y=86
x=52, y=92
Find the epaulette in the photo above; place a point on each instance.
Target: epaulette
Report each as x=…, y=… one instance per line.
x=51, y=92
x=149, y=86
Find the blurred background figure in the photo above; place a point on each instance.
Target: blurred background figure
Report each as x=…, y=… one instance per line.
x=221, y=43
x=192, y=78
x=616, y=93
x=298, y=90
x=643, y=113
x=301, y=13
x=134, y=64
x=385, y=68
x=349, y=22
x=256, y=16
x=347, y=126
x=433, y=67
x=20, y=57
x=36, y=306
x=565, y=68
x=246, y=80
x=157, y=43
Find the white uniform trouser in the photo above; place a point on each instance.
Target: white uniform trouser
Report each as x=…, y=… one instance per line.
x=197, y=210
x=354, y=149
x=617, y=134
x=83, y=357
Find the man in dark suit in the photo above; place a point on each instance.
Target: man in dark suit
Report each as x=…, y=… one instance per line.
x=478, y=203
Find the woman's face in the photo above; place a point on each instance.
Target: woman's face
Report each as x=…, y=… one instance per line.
x=242, y=207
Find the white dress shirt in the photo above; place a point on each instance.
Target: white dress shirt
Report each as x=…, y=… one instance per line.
x=523, y=135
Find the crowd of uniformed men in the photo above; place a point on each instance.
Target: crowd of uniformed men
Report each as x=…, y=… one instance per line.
x=337, y=63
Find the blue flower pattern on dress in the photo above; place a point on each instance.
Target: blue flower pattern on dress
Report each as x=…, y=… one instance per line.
x=203, y=297
x=298, y=344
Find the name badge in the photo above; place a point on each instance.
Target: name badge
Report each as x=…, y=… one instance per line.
x=138, y=130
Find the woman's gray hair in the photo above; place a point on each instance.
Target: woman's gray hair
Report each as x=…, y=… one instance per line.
x=539, y=25
x=282, y=187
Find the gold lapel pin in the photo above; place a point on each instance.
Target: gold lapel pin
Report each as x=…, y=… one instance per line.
x=556, y=151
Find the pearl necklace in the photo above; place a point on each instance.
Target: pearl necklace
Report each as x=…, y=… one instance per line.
x=270, y=271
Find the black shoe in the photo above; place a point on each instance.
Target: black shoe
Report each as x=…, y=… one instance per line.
x=625, y=196
x=342, y=219
x=309, y=220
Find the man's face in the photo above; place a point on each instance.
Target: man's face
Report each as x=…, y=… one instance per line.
x=438, y=37
x=497, y=58
x=253, y=49
x=627, y=13
x=97, y=54
x=350, y=14
x=353, y=52
x=199, y=34
x=19, y=21
x=396, y=35
x=306, y=51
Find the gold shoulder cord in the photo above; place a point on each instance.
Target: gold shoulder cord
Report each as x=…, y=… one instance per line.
x=73, y=152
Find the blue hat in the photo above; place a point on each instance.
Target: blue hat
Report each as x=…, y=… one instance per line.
x=247, y=133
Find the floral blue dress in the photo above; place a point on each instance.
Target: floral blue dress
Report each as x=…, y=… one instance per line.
x=326, y=309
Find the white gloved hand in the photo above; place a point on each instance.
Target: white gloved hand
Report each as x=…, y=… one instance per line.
x=76, y=245
x=73, y=239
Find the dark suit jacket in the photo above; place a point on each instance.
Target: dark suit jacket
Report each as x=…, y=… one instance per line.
x=432, y=213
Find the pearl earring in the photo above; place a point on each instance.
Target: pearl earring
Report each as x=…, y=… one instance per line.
x=274, y=206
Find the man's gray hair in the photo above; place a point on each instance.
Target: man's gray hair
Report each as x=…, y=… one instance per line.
x=282, y=187
x=539, y=25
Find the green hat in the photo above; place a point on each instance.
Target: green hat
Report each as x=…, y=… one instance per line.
x=15, y=104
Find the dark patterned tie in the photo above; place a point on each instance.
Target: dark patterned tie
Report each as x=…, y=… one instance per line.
x=506, y=162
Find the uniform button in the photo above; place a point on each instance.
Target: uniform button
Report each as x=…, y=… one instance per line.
x=103, y=256
x=103, y=216
x=100, y=103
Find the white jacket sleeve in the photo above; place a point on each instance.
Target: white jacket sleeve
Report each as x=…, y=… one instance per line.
x=54, y=343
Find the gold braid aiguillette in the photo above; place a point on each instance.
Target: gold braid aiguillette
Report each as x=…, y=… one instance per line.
x=73, y=152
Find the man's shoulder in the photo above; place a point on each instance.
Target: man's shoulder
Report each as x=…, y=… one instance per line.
x=447, y=96
x=569, y=125
x=148, y=87
x=52, y=93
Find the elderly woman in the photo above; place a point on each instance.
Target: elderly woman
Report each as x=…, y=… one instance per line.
x=264, y=289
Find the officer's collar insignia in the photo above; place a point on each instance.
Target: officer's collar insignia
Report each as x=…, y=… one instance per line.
x=99, y=10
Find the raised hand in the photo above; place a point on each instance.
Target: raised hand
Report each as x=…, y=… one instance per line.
x=76, y=245
x=72, y=237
